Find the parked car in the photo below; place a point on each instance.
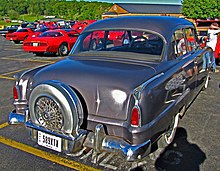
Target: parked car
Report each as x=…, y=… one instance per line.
x=4, y=31
x=79, y=26
x=217, y=50
x=13, y=28
x=120, y=98
x=54, y=41
x=37, y=32
x=19, y=35
x=2, y=27
x=8, y=29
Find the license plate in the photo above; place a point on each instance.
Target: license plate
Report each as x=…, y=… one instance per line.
x=49, y=141
x=35, y=44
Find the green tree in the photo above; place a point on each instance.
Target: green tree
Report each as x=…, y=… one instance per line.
x=13, y=14
x=67, y=9
x=202, y=9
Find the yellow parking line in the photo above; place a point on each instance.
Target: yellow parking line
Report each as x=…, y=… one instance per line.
x=27, y=60
x=3, y=125
x=7, y=78
x=48, y=156
x=17, y=55
x=12, y=72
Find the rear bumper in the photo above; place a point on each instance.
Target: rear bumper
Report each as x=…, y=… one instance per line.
x=39, y=49
x=35, y=49
x=97, y=140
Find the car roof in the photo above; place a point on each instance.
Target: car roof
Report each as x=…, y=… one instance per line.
x=163, y=25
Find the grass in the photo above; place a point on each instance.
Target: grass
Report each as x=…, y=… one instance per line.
x=3, y=23
x=30, y=18
x=22, y=17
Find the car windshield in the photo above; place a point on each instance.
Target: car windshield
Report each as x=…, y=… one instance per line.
x=51, y=34
x=140, y=42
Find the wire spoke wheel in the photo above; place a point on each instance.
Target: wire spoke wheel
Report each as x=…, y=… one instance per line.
x=49, y=113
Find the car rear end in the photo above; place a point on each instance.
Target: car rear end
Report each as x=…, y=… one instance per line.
x=35, y=46
x=11, y=37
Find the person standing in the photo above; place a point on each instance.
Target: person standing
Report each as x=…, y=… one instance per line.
x=212, y=40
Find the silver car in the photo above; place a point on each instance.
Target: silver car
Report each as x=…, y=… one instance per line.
x=122, y=89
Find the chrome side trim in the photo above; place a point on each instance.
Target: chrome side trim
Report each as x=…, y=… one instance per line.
x=137, y=95
x=138, y=90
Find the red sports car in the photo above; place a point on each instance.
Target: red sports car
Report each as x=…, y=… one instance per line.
x=38, y=32
x=54, y=41
x=80, y=25
x=217, y=50
x=19, y=35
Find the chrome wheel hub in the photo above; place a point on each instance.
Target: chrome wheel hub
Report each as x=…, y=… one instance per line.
x=48, y=113
x=64, y=50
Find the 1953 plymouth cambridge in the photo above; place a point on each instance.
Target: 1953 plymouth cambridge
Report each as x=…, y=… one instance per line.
x=122, y=89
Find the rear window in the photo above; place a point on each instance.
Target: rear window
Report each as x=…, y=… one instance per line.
x=22, y=30
x=51, y=34
x=113, y=41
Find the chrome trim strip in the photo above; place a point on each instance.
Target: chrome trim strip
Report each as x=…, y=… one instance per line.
x=141, y=87
x=20, y=102
x=29, y=124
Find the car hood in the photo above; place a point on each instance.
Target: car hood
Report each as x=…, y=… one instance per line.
x=105, y=85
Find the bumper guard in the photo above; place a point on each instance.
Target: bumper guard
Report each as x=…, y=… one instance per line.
x=97, y=140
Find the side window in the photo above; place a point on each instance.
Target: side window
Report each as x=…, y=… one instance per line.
x=191, y=39
x=180, y=43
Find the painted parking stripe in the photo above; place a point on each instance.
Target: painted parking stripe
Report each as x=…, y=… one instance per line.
x=16, y=55
x=45, y=155
x=7, y=78
x=16, y=71
x=27, y=60
x=3, y=125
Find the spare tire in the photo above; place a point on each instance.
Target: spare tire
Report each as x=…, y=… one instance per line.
x=56, y=107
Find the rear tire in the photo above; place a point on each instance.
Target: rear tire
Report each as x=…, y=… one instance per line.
x=63, y=49
x=56, y=107
x=166, y=139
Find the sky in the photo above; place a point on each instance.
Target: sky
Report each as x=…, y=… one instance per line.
x=142, y=1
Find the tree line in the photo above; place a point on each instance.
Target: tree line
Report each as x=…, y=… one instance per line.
x=201, y=9
x=80, y=10
x=71, y=9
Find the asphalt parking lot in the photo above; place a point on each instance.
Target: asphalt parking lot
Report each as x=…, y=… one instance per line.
x=195, y=147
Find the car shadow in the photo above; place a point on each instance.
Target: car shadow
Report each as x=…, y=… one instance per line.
x=180, y=155
x=46, y=54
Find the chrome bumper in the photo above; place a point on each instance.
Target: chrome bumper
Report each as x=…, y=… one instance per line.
x=97, y=140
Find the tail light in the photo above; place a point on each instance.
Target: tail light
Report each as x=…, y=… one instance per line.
x=42, y=44
x=135, y=117
x=15, y=93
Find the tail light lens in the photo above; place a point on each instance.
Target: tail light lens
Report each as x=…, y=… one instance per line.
x=15, y=93
x=135, y=117
x=42, y=44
